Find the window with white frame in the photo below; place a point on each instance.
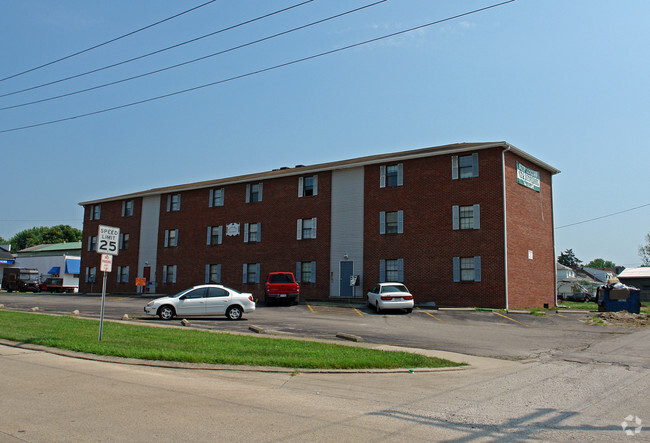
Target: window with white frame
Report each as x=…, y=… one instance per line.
x=391, y=270
x=464, y=166
x=306, y=228
x=92, y=243
x=466, y=217
x=124, y=240
x=391, y=222
x=95, y=212
x=467, y=269
x=91, y=275
x=254, y=192
x=308, y=186
x=122, y=274
x=252, y=232
x=173, y=202
x=391, y=175
x=127, y=208
x=169, y=273
x=306, y=272
x=215, y=235
x=251, y=273
x=213, y=273
x=171, y=238
x=217, y=197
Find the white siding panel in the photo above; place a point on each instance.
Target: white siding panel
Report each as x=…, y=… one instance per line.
x=149, y=235
x=347, y=223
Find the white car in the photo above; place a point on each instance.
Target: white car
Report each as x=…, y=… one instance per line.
x=203, y=300
x=390, y=296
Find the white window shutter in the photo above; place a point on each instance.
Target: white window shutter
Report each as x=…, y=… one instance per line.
x=257, y=273
x=90, y=242
x=456, y=269
x=175, y=273
x=301, y=184
x=211, y=201
x=400, y=222
x=259, y=232
x=299, y=230
x=207, y=273
x=127, y=273
x=315, y=185
x=382, y=176
x=176, y=237
x=455, y=217
x=382, y=222
x=166, y=237
x=222, y=201
x=220, y=228
x=209, y=241
x=477, y=216
x=218, y=273
x=382, y=271
x=245, y=232
x=475, y=164
x=164, y=274
x=298, y=272
x=169, y=203
x=245, y=278
x=477, y=268
x=261, y=188
x=400, y=174
x=248, y=194
x=313, y=272
x=454, y=167
x=313, y=227
x=119, y=273
x=123, y=208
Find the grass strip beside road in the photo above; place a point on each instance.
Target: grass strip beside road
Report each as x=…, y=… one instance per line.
x=192, y=346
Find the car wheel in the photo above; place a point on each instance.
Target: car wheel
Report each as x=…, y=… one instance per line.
x=166, y=313
x=409, y=310
x=377, y=308
x=234, y=313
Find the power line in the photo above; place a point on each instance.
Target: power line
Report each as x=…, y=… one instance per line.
x=260, y=71
x=141, y=57
x=196, y=59
x=109, y=41
x=603, y=216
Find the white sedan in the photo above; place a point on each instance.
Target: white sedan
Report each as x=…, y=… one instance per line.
x=390, y=296
x=202, y=300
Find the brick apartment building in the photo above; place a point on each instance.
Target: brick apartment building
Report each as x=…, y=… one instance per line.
x=467, y=224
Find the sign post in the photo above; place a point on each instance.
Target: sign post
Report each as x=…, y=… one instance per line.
x=108, y=246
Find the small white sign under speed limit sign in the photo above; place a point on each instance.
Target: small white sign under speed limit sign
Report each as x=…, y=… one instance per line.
x=108, y=240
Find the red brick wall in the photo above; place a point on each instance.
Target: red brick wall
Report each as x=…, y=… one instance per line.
x=111, y=215
x=429, y=243
x=279, y=249
x=531, y=283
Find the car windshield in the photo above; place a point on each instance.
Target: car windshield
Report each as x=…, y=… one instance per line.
x=28, y=276
x=181, y=293
x=280, y=278
x=393, y=288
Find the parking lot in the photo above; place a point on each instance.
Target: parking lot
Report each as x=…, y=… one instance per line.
x=511, y=335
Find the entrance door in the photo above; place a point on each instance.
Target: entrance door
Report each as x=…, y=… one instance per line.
x=347, y=269
x=146, y=273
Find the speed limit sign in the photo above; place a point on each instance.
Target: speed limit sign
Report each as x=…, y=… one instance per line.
x=108, y=240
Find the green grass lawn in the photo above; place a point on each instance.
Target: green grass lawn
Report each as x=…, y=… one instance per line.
x=188, y=345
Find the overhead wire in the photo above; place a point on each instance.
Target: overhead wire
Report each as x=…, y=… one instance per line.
x=603, y=216
x=271, y=68
x=146, y=55
x=108, y=41
x=196, y=59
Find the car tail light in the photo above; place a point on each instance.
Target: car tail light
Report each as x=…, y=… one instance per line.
x=386, y=297
x=250, y=297
x=408, y=297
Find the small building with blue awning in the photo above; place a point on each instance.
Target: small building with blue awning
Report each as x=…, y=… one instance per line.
x=61, y=260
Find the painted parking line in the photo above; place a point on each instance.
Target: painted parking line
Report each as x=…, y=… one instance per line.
x=310, y=308
x=511, y=319
x=358, y=312
x=431, y=315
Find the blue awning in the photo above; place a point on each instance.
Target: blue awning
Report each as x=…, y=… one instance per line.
x=55, y=270
x=73, y=266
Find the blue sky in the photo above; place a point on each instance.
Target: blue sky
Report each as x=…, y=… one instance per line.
x=565, y=81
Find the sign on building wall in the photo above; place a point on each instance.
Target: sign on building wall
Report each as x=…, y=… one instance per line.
x=527, y=177
x=232, y=229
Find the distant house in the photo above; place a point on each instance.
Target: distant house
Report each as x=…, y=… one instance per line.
x=570, y=281
x=7, y=260
x=639, y=278
x=56, y=260
x=598, y=275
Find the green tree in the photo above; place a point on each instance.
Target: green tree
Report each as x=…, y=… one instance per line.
x=599, y=263
x=568, y=258
x=44, y=235
x=644, y=251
